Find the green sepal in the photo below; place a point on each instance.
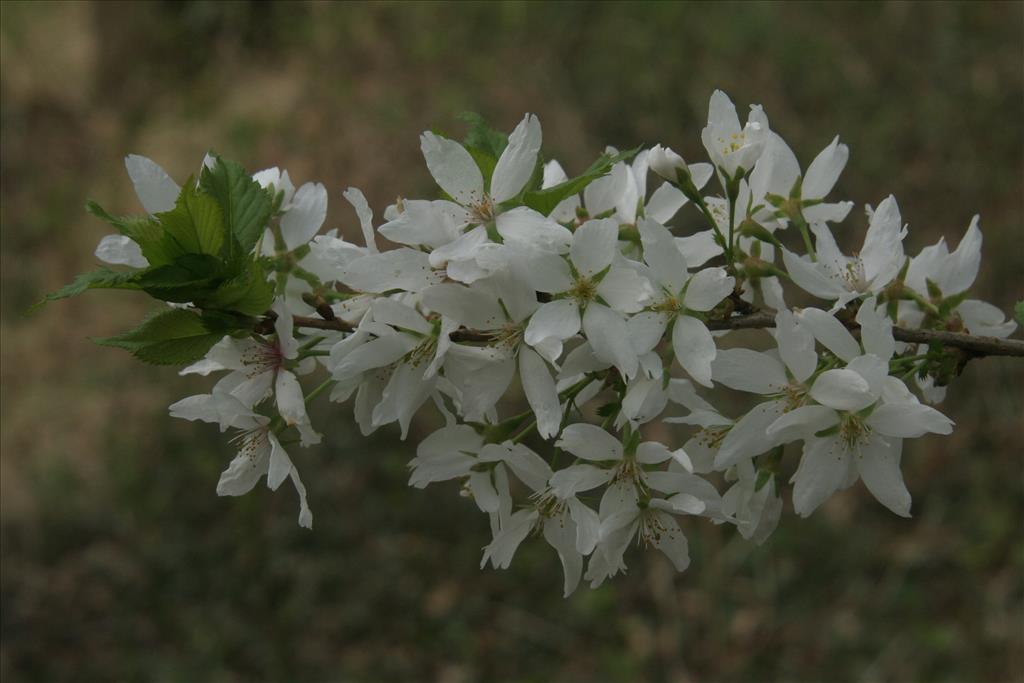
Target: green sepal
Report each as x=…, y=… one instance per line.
x=104, y=278
x=1018, y=312
x=545, y=201
x=245, y=205
x=763, y=477
x=170, y=337
x=144, y=231
x=196, y=223
x=951, y=302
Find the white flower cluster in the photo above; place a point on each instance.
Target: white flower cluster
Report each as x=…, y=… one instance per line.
x=606, y=318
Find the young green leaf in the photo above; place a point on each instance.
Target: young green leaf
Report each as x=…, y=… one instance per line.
x=545, y=201
x=196, y=223
x=245, y=205
x=249, y=292
x=483, y=143
x=104, y=278
x=143, y=230
x=1018, y=312
x=171, y=337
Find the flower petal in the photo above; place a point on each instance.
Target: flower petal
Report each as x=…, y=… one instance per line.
x=694, y=348
x=878, y=462
x=154, y=188
x=751, y=371
x=517, y=160
x=590, y=442
x=453, y=168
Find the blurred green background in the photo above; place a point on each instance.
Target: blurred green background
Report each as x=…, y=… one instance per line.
x=119, y=562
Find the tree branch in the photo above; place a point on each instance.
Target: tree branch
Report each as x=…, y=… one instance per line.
x=976, y=345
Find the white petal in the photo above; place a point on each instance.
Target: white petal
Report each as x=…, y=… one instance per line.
x=694, y=348
x=609, y=337
x=625, y=290
x=821, y=473
x=830, y=332
x=590, y=442
x=707, y=288
x=397, y=314
x=981, y=317
x=524, y=227
x=908, y=420
x=875, y=330
x=663, y=255
x=280, y=465
x=749, y=435
x=594, y=245
x=961, y=267
x=290, y=402
x=842, y=389
x=121, y=250
x=503, y=548
x=878, y=462
x=751, y=371
x=539, y=387
x=559, y=319
x=486, y=498
x=405, y=269
x=305, y=216
x=357, y=199
x=453, y=168
x=883, y=245
x=517, y=161
x=575, y=479
x=560, y=532
x=802, y=423
x=796, y=346
x=665, y=203
x=154, y=188
x=811, y=278
x=646, y=330
x=468, y=306
x=422, y=222
x=671, y=541
x=244, y=471
x=652, y=453
x=699, y=248
x=824, y=171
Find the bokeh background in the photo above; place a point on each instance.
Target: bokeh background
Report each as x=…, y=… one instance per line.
x=120, y=563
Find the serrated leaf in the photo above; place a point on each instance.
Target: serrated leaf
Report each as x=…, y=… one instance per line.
x=104, y=278
x=196, y=223
x=171, y=337
x=545, y=201
x=249, y=293
x=143, y=230
x=245, y=205
x=191, y=278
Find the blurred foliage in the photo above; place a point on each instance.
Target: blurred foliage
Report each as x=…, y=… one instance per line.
x=120, y=563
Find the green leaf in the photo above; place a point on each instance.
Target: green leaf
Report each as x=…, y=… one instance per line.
x=104, y=278
x=191, y=277
x=249, y=292
x=245, y=205
x=196, y=223
x=171, y=337
x=545, y=201
x=144, y=231
x=483, y=143
x=1018, y=313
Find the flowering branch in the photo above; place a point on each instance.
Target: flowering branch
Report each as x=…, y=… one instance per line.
x=977, y=345
x=578, y=289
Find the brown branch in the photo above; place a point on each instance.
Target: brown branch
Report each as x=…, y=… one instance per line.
x=974, y=344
